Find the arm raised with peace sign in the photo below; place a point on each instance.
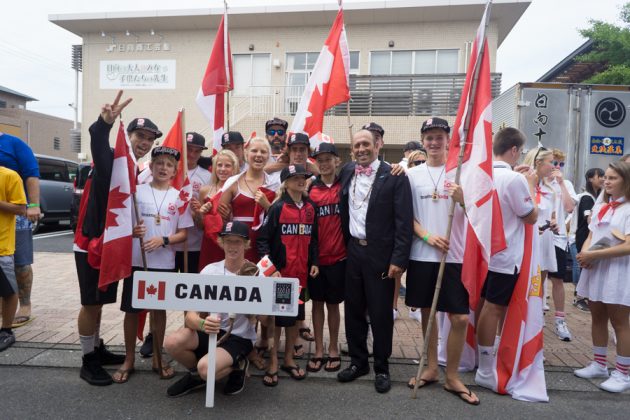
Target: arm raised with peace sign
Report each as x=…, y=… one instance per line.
x=109, y=112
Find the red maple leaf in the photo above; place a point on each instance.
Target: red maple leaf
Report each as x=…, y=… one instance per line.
x=116, y=200
x=183, y=195
x=151, y=290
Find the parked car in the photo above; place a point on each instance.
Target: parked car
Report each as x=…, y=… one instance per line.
x=81, y=175
x=56, y=176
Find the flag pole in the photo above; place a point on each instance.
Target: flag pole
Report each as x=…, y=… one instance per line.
x=340, y=2
x=185, y=163
x=226, y=60
x=460, y=158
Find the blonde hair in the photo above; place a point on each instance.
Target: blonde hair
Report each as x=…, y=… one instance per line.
x=413, y=156
x=283, y=190
x=539, y=155
x=222, y=246
x=233, y=159
x=261, y=141
x=558, y=154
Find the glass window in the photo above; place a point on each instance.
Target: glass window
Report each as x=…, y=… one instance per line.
x=354, y=62
x=447, y=61
x=72, y=170
x=252, y=74
x=414, y=62
x=52, y=170
x=56, y=143
x=424, y=62
x=379, y=62
x=401, y=62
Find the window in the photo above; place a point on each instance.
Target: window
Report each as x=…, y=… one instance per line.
x=3, y=104
x=414, y=62
x=252, y=74
x=72, y=171
x=56, y=143
x=53, y=170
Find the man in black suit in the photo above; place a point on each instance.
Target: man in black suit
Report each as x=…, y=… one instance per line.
x=376, y=211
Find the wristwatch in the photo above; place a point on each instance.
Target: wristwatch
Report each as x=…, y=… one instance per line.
x=165, y=241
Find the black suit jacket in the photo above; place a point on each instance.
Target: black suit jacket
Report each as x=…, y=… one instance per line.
x=389, y=219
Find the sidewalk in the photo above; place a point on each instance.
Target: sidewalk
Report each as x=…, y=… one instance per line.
x=56, y=303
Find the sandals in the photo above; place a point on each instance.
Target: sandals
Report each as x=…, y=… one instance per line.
x=261, y=350
x=293, y=371
x=124, y=375
x=318, y=361
x=422, y=384
x=305, y=334
x=331, y=359
x=461, y=394
x=271, y=376
x=165, y=369
x=21, y=320
x=296, y=349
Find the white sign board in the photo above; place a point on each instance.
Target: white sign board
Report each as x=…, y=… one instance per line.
x=137, y=74
x=251, y=295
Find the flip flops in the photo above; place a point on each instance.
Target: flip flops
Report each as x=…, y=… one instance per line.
x=305, y=334
x=319, y=361
x=296, y=351
x=20, y=321
x=461, y=394
x=164, y=374
x=271, y=375
x=423, y=383
x=293, y=372
x=331, y=359
x=124, y=375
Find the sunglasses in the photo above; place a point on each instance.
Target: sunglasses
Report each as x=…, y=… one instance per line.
x=274, y=132
x=540, y=149
x=557, y=163
x=418, y=162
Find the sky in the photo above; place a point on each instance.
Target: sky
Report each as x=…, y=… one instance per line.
x=35, y=54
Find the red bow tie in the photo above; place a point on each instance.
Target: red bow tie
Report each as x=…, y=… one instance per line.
x=363, y=170
x=610, y=205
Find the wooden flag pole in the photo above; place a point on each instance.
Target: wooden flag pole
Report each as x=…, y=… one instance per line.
x=185, y=163
x=349, y=121
x=462, y=149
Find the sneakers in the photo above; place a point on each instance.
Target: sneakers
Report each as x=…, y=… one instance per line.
x=618, y=382
x=546, y=307
x=592, y=371
x=581, y=304
x=92, y=371
x=189, y=382
x=485, y=380
x=236, y=379
x=7, y=339
x=395, y=314
x=146, y=350
x=107, y=357
x=415, y=314
x=562, y=331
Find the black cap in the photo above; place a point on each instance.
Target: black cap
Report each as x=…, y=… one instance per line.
x=144, y=124
x=232, y=137
x=294, y=170
x=276, y=121
x=163, y=150
x=435, y=122
x=325, y=147
x=412, y=145
x=298, y=138
x=196, y=139
x=235, y=228
x=374, y=127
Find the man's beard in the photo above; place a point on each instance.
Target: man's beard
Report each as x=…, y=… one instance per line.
x=277, y=147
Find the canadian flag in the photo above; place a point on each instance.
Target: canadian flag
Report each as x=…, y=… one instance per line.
x=150, y=292
x=519, y=364
x=175, y=139
x=327, y=86
x=117, y=241
x=484, y=236
x=259, y=212
x=265, y=266
x=217, y=80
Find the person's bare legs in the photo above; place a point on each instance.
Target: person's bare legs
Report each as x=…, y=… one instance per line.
x=290, y=335
x=334, y=320
x=557, y=294
x=130, y=327
x=620, y=319
x=223, y=365
x=181, y=346
x=158, y=337
x=429, y=373
x=24, y=278
x=318, y=327
x=9, y=305
x=454, y=348
x=599, y=323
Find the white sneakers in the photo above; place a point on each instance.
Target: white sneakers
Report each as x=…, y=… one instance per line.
x=562, y=331
x=415, y=314
x=618, y=382
x=486, y=380
x=395, y=314
x=592, y=371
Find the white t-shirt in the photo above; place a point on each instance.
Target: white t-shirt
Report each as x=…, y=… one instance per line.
x=516, y=203
x=433, y=215
x=547, y=203
x=149, y=202
x=561, y=240
x=358, y=200
x=198, y=177
x=242, y=327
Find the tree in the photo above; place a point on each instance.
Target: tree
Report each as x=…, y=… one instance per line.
x=611, y=46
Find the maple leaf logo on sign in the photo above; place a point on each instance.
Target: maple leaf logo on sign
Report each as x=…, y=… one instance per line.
x=150, y=291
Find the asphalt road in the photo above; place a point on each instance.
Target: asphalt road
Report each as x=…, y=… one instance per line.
x=53, y=238
x=35, y=392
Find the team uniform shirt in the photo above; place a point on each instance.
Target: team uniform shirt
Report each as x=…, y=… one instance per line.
x=516, y=203
x=197, y=177
x=546, y=198
x=608, y=279
x=153, y=202
x=11, y=191
x=561, y=240
x=432, y=214
x=358, y=199
x=242, y=327
x=326, y=199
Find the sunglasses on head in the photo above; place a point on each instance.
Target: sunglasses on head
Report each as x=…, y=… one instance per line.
x=274, y=132
x=540, y=149
x=558, y=163
x=418, y=162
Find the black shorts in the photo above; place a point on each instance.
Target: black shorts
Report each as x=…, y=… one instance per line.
x=289, y=321
x=561, y=262
x=237, y=347
x=127, y=293
x=88, y=283
x=193, y=261
x=421, y=281
x=329, y=285
x=498, y=287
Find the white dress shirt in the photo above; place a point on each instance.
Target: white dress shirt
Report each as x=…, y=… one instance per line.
x=358, y=199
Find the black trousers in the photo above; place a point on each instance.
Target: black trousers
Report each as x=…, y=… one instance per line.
x=368, y=293
x=193, y=261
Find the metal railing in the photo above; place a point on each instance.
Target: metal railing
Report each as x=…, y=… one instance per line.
x=410, y=95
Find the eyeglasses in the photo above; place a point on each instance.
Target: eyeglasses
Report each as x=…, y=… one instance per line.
x=274, y=132
x=540, y=149
x=558, y=163
x=418, y=162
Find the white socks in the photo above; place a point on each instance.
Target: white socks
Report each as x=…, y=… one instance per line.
x=87, y=343
x=486, y=358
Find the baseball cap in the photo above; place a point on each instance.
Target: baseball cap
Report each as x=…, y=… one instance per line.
x=435, y=122
x=232, y=137
x=196, y=139
x=374, y=127
x=235, y=228
x=294, y=170
x=144, y=124
x=276, y=121
x=412, y=145
x=299, y=138
x=163, y=150
x=325, y=148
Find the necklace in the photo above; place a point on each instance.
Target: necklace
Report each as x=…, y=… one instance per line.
x=247, y=185
x=435, y=195
x=353, y=198
x=158, y=218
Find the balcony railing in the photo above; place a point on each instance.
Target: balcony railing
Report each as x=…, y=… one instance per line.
x=411, y=95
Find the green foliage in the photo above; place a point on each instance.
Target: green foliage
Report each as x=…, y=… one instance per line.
x=614, y=75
